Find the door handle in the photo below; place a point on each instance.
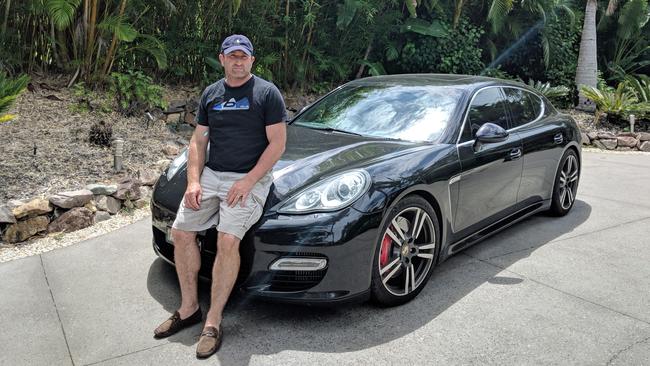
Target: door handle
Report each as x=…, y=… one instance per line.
x=515, y=154
x=558, y=138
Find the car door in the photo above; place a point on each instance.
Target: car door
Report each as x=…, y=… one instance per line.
x=491, y=172
x=542, y=140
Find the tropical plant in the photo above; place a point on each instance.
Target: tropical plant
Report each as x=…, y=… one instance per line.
x=551, y=92
x=10, y=89
x=630, y=42
x=619, y=102
x=135, y=92
x=640, y=85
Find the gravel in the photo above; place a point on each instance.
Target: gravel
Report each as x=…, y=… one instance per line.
x=33, y=246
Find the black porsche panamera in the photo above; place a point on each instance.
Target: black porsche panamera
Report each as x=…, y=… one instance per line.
x=384, y=178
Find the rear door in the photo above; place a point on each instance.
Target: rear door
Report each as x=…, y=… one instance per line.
x=491, y=172
x=543, y=142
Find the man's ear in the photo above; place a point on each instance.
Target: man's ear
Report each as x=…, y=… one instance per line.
x=222, y=58
x=252, y=58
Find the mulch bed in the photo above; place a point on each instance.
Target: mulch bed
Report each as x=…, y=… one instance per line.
x=46, y=149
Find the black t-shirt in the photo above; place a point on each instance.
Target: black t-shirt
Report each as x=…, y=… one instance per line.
x=237, y=118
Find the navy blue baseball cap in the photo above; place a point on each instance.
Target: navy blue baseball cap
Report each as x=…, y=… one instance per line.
x=237, y=42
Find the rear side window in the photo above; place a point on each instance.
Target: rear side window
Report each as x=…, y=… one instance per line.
x=487, y=106
x=524, y=106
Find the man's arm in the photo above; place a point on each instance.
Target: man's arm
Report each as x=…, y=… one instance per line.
x=277, y=136
x=195, y=163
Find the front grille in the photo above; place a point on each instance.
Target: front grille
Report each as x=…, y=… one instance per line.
x=295, y=280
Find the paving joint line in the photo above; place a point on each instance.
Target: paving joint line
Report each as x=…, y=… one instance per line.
x=613, y=200
x=127, y=354
x=626, y=349
x=564, y=292
x=65, y=337
x=568, y=238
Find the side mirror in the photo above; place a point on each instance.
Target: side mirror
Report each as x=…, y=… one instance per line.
x=491, y=132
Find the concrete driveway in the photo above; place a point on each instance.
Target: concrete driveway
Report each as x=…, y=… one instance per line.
x=570, y=291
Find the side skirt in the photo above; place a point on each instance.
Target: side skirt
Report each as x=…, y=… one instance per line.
x=496, y=227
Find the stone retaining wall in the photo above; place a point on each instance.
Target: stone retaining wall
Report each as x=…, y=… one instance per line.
x=73, y=210
x=622, y=141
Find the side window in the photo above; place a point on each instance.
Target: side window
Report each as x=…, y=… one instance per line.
x=524, y=106
x=487, y=106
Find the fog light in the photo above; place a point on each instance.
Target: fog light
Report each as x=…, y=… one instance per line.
x=298, y=264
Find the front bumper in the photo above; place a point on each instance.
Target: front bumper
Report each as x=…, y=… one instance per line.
x=345, y=238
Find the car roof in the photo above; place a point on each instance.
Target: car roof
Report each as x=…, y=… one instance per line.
x=466, y=82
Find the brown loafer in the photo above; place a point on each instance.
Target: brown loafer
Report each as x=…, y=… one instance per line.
x=175, y=323
x=209, y=342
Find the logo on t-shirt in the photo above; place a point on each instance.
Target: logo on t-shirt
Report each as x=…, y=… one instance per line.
x=232, y=105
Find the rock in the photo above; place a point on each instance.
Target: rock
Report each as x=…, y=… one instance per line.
x=147, y=177
x=186, y=130
x=58, y=211
x=170, y=150
x=113, y=205
x=627, y=134
x=606, y=135
x=585, y=139
x=104, y=189
x=91, y=206
x=74, y=219
x=625, y=141
x=142, y=202
x=145, y=192
x=610, y=144
x=14, y=203
x=100, y=203
x=128, y=204
x=33, y=208
x=101, y=216
x=644, y=146
x=71, y=199
x=190, y=119
x=161, y=165
x=128, y=188
x=176, y=106
x=592, y=135
x=6, y=215
x=643, y=136
x=624, y=148
x=24, y=229
x=599, y=144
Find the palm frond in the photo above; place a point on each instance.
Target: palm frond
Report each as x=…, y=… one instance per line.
x=61, y=12
x=498, y=13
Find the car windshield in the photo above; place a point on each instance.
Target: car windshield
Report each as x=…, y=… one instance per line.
x=413, y=113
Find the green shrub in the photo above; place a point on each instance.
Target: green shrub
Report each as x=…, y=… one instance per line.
x=458, y=53
x=554, y=93
x=136, y=92
x=619, y=102
x=10, y=89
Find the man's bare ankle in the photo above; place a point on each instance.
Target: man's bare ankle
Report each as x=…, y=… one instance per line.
x=186, y=312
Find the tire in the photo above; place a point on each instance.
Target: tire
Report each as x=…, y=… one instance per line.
x=565, y=187
x=400, y=272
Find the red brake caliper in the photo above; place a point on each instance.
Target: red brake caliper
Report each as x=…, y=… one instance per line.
x=385, y=250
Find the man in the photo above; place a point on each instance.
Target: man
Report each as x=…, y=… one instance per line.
x=243, y=117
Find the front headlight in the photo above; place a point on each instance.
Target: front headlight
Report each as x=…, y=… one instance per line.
x=331, y=194
x=177, y=163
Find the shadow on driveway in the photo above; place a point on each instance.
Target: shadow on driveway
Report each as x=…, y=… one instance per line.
x=258, y=328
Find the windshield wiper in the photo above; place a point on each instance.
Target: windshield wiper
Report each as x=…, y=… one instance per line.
x=330, y=129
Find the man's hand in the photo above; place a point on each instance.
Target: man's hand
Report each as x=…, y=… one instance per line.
x=193, y=196
x=240, y=191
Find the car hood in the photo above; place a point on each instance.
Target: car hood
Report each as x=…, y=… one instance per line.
x=313, y=154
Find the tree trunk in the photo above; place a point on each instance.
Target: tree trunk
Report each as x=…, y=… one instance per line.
x=587, y=71
x=457, y=12
x=365, y=58
x=4, y=23
x=90, y=44
x=111, y=51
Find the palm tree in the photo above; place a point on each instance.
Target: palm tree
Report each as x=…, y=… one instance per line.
x=587, y=70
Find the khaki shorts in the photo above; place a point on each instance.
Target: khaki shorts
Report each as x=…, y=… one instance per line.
x=214, y=209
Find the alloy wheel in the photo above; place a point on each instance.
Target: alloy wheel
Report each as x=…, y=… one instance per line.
x=568, y=182
x=407, y=251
